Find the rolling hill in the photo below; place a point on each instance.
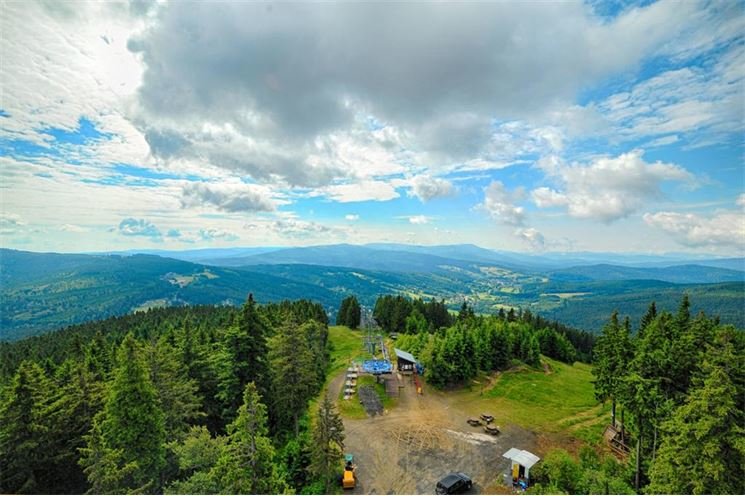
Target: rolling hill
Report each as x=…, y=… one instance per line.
x=681, y=274
x=44, y=291
x=351, y=256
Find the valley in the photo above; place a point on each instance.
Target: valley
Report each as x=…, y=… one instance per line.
x=42, y=291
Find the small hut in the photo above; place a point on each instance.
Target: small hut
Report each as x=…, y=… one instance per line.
x=522, y=461
x=405, y=362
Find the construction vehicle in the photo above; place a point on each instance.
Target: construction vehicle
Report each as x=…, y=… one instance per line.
x=349, y=479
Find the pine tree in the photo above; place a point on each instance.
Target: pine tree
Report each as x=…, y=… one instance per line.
x=70, y=418
x=197, y=455
x=613, y=352
x=176, y=392
x=328, y=443
x=294, y=375
x=343, y=316
x=125, y=450
x=243, y=359
x=354, y=313
x=648, y=317
x=703, y=451
x=247, y=466
x=23, y=443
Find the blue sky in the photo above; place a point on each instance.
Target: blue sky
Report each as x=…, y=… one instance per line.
x=597, y=126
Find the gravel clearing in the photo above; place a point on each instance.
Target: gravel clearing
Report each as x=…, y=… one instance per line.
x=407, y=449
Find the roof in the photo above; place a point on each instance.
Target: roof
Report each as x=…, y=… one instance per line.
x=377, y=366
x=524, y=458
x=406, y=356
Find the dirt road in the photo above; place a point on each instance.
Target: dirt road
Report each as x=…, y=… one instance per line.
x=425, y=437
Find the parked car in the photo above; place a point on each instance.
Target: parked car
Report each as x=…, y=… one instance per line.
x=454, y=483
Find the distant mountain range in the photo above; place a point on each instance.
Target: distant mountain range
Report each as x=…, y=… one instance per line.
x=43, y=291
x=359, y=256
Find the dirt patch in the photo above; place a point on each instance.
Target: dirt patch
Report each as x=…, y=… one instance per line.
x=370, y=400
x=408, y=449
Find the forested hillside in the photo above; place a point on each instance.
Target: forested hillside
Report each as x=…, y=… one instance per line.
x=45, y=291
x=678, y=386
x=184, y=400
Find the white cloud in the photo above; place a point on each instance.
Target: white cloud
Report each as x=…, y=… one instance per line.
x=352, y=217
x=722, y=229
x=10, y=224
x=299, y=111
x=229, y=197
x=59, y=66
x=427, y=188
x=533, y=237
x=419, y=219
x=296, y=228
x=366, y=190
x=740, y=202
x=703, y=104
x=74, y=228
x=139, y=227
x=609, y=188
x=215, y=234
x=500, y=204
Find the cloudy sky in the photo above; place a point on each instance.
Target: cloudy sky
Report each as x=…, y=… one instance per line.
x=601, y=126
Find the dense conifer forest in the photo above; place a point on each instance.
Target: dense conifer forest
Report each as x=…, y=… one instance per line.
x=168, y=400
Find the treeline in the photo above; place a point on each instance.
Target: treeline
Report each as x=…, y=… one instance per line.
x=679, y=383
x=402, y=315
x=474, y=343
x=182, y=400
x=350, y=313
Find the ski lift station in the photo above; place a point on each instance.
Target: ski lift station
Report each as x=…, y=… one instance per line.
x=405, y=362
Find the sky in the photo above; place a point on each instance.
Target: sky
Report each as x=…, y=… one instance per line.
x=524, y=126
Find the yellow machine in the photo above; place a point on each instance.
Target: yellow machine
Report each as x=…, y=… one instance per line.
x=349, y=481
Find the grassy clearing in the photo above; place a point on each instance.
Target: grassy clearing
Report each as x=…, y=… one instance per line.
x=346, y=346
x=561, y=401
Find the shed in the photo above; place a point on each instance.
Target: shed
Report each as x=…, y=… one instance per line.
x=405, y=362
x=522, y=461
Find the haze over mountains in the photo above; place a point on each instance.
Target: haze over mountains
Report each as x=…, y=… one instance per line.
x=43, y=291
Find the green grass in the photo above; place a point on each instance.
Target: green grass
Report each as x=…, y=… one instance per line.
x=346, y=346
x=561, y=401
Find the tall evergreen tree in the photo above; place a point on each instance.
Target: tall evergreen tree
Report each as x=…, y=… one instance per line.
x=613, y=352
x=23, y=442
x=247, y=466
x=703, y=451
x=294, y=375
x=125, y=449
x=243, y=359
x=176, y=392
x=354, y=313
x=343, y=315
x=328, y=443
x=70, y=418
